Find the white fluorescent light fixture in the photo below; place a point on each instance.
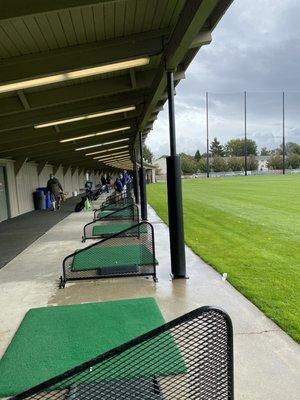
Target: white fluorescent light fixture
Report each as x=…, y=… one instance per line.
x=111, y=155
x=86, y=116
x=113, y=158
x=114, y=161
x=103, y=152
x=81, y=73
x=119, y=160
x=101, y=144
x=107, y=151
x=124, y=128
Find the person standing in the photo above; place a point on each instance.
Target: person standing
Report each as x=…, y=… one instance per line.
x=55, y=189
x=104, y=184
x=118, y=185
x=125, y=179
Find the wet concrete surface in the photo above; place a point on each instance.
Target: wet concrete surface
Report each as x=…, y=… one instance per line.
x=267, y=361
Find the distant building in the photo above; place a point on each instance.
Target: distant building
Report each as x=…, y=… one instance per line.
x=161, y=168
x=150, y=172
x=262, y=163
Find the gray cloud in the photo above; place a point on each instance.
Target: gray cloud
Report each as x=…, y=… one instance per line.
x=256, y=47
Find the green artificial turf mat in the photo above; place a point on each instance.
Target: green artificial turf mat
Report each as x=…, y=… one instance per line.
x=127, y=213
x=101, y=230
x=110, y=229
x=112, y=256
x=51, y=340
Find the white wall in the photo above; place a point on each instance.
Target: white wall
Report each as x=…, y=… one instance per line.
x=27, y=181
x=81, y=180
x=21, y=186
x=75, y=182
x=60, y=176
x=67, y=185
x=11, y=186
x=44, y=175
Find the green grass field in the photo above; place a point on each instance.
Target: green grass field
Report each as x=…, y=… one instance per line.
x=248, y=227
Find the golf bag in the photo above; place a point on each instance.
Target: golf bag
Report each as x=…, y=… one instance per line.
x=80, y=206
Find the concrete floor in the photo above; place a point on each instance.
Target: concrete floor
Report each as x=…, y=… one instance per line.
x=267, y=361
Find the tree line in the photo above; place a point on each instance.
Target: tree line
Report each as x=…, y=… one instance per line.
x=231, y=157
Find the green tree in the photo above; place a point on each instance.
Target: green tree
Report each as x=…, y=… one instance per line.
x=264, y=151
x=252, y=163
x=235, y=164
x=292, y=148
x=275, y=161
x=148, y=155
x=201, y=165
x=188, y=164
x=236, y=147
x=216, y=149
x=293, y=160
x=218, y=164
x=197, y=155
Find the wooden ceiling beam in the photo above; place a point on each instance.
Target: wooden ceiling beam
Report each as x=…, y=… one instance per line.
x=33, y=117
x=74, y=93
x=192, y=19
x=61, y=151
x=72, y=58
x=12, y=138
x=36, y=141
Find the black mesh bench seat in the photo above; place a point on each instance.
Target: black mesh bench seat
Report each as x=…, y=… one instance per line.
x=109, y=229
x=189, y=358
x=112, y=256
x=147, y=389
x=119, y=213
x=115, y=203
x=111, y=222
x=130, y=252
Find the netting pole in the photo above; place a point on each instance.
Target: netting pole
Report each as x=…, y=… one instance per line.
x=176, y=231
x=245, y=139
x=136, y=179
x=142, y=178
x=283, y=133
x=207, y=138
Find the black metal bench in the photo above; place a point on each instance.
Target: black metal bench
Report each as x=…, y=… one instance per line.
x=115, y=203
x=128, y=215
x=130, y=252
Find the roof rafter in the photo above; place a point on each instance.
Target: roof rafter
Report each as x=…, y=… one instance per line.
x=75, y=93
x=83, y=56
x=59, y=151
x=16, y=137
x=33, y=117
x=192, y=19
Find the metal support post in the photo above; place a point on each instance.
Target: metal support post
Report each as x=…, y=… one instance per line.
x=142, y=179
x=283, y=133
x=245, y=139
x=136, y=180
x=207, y=138
x=176, y=228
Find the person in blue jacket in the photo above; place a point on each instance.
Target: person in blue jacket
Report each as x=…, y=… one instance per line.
x=125, y=179
x=118, y=185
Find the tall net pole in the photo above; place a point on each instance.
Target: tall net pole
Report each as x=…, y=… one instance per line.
x=283, y=133
x=207, y=138
x=245, y=133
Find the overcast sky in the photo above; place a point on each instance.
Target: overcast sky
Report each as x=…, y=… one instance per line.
x=255, y=47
